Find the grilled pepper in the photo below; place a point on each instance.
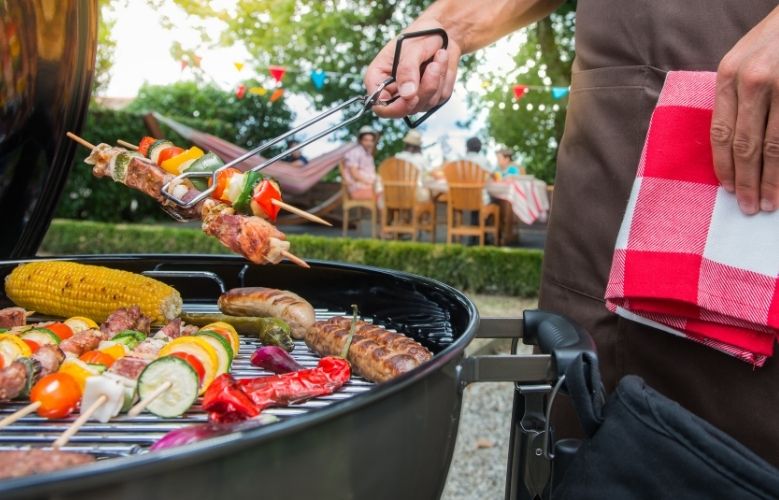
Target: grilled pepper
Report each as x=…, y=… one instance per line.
x=270, y=331
x=262, y=199
x=228, y=400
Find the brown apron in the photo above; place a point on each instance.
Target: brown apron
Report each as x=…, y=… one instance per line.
x=623, y=51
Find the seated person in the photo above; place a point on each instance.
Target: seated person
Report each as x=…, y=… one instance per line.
x=506, y=166
x=473, y=153
x=359, y=167
x=296, y=157
x=412, y=153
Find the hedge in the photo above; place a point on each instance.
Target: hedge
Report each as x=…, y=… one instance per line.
x=496, y=270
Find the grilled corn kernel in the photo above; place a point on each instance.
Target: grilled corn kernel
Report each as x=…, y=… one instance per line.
x=65, y=289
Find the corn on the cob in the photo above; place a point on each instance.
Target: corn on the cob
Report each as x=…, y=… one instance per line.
x=67, y=289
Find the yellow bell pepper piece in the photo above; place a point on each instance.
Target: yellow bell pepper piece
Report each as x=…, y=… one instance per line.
x=172, y=164
x=12, y=347
x=79, y=370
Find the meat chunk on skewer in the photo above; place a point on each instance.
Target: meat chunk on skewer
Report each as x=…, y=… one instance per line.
x=26, y=462
x=12, y=380
x=12, y=316
x=129, y=318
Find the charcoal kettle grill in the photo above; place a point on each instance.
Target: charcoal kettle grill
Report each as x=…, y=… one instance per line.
x=393, y=440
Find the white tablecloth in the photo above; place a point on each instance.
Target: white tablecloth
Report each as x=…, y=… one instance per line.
x=527, y=195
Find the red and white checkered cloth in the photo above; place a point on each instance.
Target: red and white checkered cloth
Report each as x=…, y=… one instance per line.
x=687, y=260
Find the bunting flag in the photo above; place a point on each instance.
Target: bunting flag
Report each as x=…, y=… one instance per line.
x=196, y=60
x=238, y=65
x=277, y=94
x=520, y=91
x=240, y=91
x=318, y=77
x=184, y=64
x=277, y=72
x=559, y=92
x=260, y=91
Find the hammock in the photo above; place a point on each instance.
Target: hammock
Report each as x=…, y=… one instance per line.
x=293, y=179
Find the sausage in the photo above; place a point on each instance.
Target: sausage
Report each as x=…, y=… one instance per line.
x=259, y=301
x=25, y=462
x=375, y=353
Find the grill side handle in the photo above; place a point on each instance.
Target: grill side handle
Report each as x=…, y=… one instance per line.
x=557, y=335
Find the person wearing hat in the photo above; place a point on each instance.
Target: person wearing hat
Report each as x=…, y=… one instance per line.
x=506, y=166
x=412, y=153
x=359, y=167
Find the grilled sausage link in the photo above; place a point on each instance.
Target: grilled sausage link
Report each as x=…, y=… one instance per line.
x=375, y=353
x=259, y=301
x=25, y=462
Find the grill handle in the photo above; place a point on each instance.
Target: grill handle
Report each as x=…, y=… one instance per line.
x=557, y=335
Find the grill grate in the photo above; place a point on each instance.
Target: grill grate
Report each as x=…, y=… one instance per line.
x=125, y=436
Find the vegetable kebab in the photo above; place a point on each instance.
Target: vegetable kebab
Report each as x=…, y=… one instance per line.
x=248, y=193
x=250, y=236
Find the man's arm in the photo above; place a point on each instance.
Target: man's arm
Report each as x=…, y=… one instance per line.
x=471, y=25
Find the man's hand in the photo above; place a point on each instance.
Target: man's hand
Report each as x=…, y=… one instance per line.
x=419, y=90
x=745, y=125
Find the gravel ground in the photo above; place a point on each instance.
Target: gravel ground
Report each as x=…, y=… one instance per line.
x=478, y=470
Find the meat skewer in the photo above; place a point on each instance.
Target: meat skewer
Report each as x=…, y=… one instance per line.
x=52, y=358
x=251, y=236
x=274, y=201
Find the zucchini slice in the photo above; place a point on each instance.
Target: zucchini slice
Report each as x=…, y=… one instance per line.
x=182, y=393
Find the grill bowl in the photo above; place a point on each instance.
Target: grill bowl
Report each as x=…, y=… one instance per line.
x=393, y=441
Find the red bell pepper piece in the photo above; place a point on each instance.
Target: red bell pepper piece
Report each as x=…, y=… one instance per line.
x=226, y=402
x=264, y=193
x=143, y=146
x=222, y=396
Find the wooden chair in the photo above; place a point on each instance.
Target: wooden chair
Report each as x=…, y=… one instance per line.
x=348, y=203
x=466, y=181
x=401, y=212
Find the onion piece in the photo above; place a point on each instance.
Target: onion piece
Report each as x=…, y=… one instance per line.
x=199, y=432
x=274, y=359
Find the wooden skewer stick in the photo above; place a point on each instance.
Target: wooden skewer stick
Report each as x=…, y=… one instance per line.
x=127, y=145
x=142, y=404
x=81, y=420
x=302, y=213
x=81, y=141
x=13, y=417
x=294, y=258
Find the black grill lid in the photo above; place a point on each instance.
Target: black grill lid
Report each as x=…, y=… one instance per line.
x=47, y=59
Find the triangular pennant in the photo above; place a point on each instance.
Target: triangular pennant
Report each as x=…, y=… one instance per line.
x=240, y=91
x=238, y=65
x=196, y=60
x=520, y=91
x=277, y=72
x=559, y=92
x=318, y=77
x=486, y=84
x=184, y=64
x=258, y=91
x=276, y=95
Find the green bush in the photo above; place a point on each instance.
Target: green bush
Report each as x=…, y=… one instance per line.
x=510, y=271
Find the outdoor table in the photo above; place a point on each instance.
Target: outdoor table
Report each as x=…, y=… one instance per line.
x=524, y=195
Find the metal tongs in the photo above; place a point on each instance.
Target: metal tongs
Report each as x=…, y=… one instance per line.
x=368, y=101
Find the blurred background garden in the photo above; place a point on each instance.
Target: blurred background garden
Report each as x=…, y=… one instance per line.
x=248, y=71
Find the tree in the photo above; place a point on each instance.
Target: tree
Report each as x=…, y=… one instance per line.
x=106, y=45
x=533, y=125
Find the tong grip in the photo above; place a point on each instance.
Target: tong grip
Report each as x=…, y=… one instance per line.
x=396, y=61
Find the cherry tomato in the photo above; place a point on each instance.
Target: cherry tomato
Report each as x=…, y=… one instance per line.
x=33, y=345
x=97, y=358
x=2, y=362
x=143, y=146
x=58, y=394
x=168, y=153
x=193, y=362
x=61, y=330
